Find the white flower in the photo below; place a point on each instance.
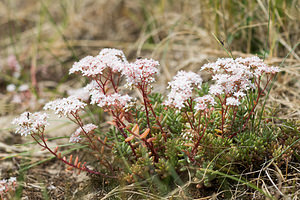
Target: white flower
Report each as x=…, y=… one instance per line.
x=92, y=66
x=88, y=128
x=65, y=106
x=231, y=101
x=176, y=99
x=224, y=61
x=113, y=58
x=118, y=100
x=211, y=66
x=75, y=139
x=29, y=123
x=185, y=81
x=182, y=88
x=101, y=99
x=236, y=75
x=221, y=78
x=11, y=87
x=23, y=88
x=88, y=66
x=98, y=97
x=239, y=94
x=115, y=99
x=202, y=103
x=216, y=89
x=258, y=65
x=141, y=71
x=273, y=70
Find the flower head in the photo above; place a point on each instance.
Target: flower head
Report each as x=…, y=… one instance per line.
x=203, y=103
x=113, y=58
x=141, y=71
x=234, y=76
x=231, y=101
x=30, y=123
x=89, y=66
x=239, y=94
x=88, y=128
x=182, y=88
x=258, y=66
x=108, y=58
x=115, y=99
x=102, y=100
x=65, y=106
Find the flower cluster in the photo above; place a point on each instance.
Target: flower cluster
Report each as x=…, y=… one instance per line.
x=88, y=66
x=115, y=99
x=141, y=71
x=233, y=77
x=92, y=66
x=203, y=103
x=257, y=66
x=182, y=88
x=113, y=58
x=88, y=128
x=65, y=106
x=7, y=185
x=30, y=123
x=99, y=98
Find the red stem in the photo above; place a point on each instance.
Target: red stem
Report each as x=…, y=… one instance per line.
x=77, y=118
x=252, y=110
x=199, y=139
x=123, y=133
x=66, y=162
x=147, y=102
x=146, y=109
x=191, y=108
x=112, y=82
x=187, y=116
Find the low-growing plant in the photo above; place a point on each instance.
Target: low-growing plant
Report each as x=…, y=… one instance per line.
x=198, y=125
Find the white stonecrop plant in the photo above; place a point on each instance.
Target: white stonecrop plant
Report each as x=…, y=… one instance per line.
x=233, y=80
